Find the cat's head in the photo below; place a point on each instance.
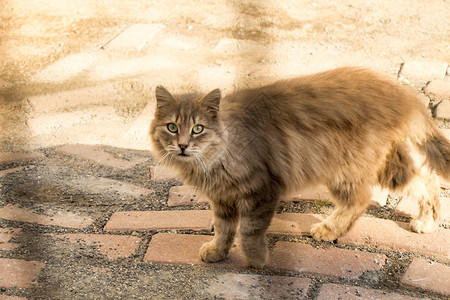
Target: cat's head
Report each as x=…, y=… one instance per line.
x=186, y=128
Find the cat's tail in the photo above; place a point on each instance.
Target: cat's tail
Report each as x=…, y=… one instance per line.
x=436, y=148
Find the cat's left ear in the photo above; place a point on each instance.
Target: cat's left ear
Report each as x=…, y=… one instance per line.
x=211, y=101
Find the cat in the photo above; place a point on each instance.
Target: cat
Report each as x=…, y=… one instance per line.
x=348, y=128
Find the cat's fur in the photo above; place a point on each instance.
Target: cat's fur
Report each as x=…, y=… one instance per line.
x=347, y=128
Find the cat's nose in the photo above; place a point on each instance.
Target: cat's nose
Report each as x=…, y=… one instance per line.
x=183, y=147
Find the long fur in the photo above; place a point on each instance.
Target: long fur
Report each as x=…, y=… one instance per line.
x=347, y=128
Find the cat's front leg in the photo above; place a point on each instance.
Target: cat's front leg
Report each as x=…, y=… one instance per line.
x=253, y=227
x=225, y=223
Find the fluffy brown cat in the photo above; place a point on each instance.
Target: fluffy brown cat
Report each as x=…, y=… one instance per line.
x=347, y=128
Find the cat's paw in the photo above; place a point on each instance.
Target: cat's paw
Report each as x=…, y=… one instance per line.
x=209, y=253
x=421, y=226
x=259, y=260
x=321, y=232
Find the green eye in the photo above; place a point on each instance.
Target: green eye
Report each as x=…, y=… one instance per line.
x=172, y=127
x=197, y=129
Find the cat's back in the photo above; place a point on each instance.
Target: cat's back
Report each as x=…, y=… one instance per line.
x=349, y=95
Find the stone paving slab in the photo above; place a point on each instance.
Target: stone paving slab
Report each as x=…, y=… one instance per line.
x=13, y=170
x=5, y=297
x=389, y=234
x=67, y=68
x=112, y=246
x=6, y=234
x=246, y=286
x=9, y=157
x=96, y=95
x=62, y=219
x=332, y=262
x=420, y=72
x=428, y=275
x=135, y=37
x=18, y=273
x=337, y=291
x=160, y=220
x=51, y=122
x=438, y=88
x=95, y=154
x=169, y=248
x=96, y=185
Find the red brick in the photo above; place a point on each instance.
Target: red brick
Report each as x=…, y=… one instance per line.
x=68, y=99
x=168, y=248
x=113, y=246
x=160, y=220
x=293, y=223
x=185, y=195
x=6, y=234
x=95, y=154
x=397, y=236
x=338, y=291
x=162, y=173
x=332, y=262
x=249, y=286
x=9, y=157
x=410, y=208
x=439, y=88
x=428, y=275
x=62, y=219
x=18, y=273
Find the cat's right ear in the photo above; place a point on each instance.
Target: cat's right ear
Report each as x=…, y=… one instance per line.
x=163, y=97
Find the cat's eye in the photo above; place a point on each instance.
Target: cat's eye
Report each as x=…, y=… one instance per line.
x=172, y=128
x=197, y=129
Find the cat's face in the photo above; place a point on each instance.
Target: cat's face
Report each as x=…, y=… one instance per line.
x=185, y=128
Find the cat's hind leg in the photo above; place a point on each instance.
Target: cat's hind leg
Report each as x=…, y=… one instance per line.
x=225, y=221
x=403, y=173
x=424, y=188
x=350, y=200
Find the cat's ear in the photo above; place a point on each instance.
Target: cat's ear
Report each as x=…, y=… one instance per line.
x=163, y=97
x=211, y=101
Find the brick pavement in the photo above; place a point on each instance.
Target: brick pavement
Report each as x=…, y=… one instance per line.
x=359, y=265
